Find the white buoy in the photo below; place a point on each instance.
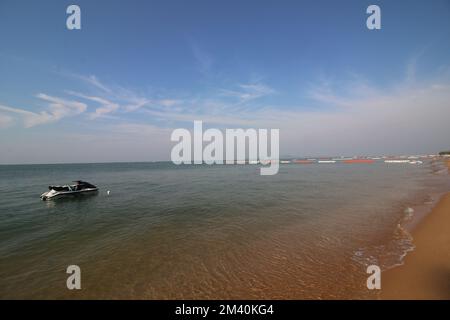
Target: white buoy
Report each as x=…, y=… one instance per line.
x=108, y=192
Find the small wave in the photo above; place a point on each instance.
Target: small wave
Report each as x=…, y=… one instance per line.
x=388, y=255
x=409, y=213
x=443, y=171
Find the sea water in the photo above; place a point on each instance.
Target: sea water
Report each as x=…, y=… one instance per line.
x=199, y=231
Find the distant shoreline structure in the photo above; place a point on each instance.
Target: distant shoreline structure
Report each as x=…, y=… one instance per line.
x=413, y=159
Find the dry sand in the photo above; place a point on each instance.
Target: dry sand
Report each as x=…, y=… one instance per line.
x=426, y=270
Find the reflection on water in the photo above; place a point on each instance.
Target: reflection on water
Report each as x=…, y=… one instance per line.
x=64, y=200
x=204, y=231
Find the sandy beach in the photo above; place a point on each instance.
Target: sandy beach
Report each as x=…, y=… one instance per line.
x=426, y=271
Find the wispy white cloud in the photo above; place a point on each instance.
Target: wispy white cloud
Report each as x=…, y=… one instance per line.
x=137, y=103
x=106, y=105
x=94, y=81
x=127, y=100
x=115, y=97
x=169, y=102
x=248, y=92
x=412, y=64
x=57, y=109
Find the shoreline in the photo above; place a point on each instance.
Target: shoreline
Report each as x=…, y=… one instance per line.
x=425, y=273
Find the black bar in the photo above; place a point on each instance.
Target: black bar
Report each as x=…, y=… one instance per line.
x=226, y=309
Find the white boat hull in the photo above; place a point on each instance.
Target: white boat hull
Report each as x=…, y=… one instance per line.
x=52, y=194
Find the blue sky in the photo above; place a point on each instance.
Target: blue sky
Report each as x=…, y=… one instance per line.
x=115, y=89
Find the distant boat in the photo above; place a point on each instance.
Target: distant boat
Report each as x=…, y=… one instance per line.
x=326, y=161
x=396, y=161
x=303, y=161
x=358, y=161
x=79, y=188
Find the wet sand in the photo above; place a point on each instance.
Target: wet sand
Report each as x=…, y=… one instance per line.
x=425, y=273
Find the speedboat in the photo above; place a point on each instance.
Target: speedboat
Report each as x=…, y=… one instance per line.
x=79, y=188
